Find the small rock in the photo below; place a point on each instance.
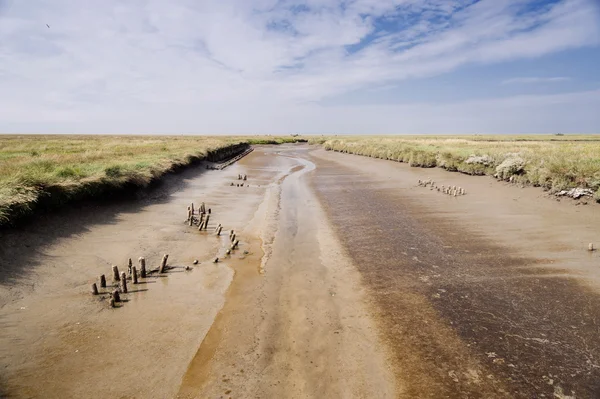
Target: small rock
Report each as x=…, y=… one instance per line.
x=195, y=261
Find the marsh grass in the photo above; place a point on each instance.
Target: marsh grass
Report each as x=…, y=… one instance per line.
x=58, y=169
x=552, y=162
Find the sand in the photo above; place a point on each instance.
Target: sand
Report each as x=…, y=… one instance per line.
x=350, y=281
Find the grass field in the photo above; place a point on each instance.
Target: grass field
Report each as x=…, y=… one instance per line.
x=64, y=168
x=554, y=162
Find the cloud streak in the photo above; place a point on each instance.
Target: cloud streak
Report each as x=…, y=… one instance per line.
x=526, y=80
x=110, y=61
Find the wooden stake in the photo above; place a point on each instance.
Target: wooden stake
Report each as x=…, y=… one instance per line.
x=134, y=276
x=192, y=208
x=94, y=289
x=163, y=264
x=103, y=281
x=232, y=238
x=129, y=266
x=124, y=282
x=115, y=296
x=203, y=208
x=219, y=230
x=115, y=270
x=206, y=222
x=142, y=267
x=590, y=247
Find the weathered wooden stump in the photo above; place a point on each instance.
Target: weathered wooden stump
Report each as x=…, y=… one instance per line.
x=228, y=252
x=216, y=260
x=124, y=283
x=116, y=296
x=134, y=275
x=206, y=222
x=142, y=267
x=232, y=238
x=129, y=266
x=192, y=208
x=219, y=230
x=203, y=208
x=103, y=281
x=163, y=264
x=115, y=270
x=94, y=289
x=209, y=211
x=590, y=246
x=245, y=177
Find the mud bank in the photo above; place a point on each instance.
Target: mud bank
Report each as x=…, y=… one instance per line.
x=57, y=340
x=300, y=326
x=478, y=296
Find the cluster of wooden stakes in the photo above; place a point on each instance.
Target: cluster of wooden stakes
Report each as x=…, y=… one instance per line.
x=240, y=177
x=450, y=190
x=198, y=218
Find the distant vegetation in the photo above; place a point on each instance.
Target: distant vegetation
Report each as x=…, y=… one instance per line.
x=58, y=169
x=554, y=162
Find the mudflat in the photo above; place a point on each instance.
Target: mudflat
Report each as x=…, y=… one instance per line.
x=350, y=281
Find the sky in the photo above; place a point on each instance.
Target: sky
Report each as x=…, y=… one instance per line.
x=300, y=66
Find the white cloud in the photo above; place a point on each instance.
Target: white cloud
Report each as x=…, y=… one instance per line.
x=555, y=79
x=103, y=66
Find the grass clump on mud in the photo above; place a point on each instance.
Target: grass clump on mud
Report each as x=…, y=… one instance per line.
x=554, y=162
x=50, y=171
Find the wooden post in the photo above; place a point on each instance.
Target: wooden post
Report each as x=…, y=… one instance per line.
x=115, y=296
x=94, y=289
x=192, y=208
x=134, y=276
x=189, y=213
x=232, y=238
x=231, y=232
x=112, y=302
x=129, y=266
x=103, y=281
x=163, y=264
x=590, y=247
x=219, y=230
x=142, y=267
x=115, y=270
x=209, y=211
x=245, y=177
x=206, y=222
x=124, y=282
x=203, y=208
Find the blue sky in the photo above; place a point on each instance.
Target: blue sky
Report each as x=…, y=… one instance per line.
x=300, y=66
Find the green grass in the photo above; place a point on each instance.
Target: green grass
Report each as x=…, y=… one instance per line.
x=554, y=162
x=58, y=169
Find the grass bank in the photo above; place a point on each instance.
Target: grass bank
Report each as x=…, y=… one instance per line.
x=554, y=162
x=50, y=171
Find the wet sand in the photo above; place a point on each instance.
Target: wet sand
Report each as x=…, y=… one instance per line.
x=350, y=281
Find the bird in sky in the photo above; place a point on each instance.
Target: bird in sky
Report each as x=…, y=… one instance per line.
x=48, y=26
